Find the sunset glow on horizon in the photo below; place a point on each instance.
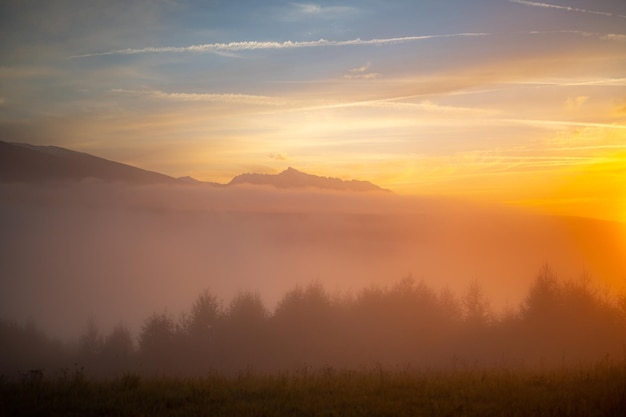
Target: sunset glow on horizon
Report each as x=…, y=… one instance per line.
x=504, y=101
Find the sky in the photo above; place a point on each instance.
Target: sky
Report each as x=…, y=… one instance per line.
x=508, y=101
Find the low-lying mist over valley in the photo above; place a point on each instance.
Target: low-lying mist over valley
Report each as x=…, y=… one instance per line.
x=114, y=253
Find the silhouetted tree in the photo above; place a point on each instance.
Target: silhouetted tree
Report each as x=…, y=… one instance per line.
x=204, y=316
x=90, y=347
x=589, y=319
x=302, y=325
x=569, y=321
x=305, y=309
x=544, y=297
x=406, y=323
x=90, y=343
x=25, y=347
x=476, y=310
x=198, y=331
x=621, y=303
x=411, y=321
x=476, y=333
x=450, y=305
x=402, y=324
x=117, y=352
x=243, y=334
x=582, y=295
x=157, y=342
x=247, y=310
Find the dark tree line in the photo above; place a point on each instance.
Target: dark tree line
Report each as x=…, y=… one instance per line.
x=558, y=324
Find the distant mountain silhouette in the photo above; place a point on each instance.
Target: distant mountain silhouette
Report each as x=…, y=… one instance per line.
x=28, y=163
x=21, y=162
x=292, y=178
x=192, y=181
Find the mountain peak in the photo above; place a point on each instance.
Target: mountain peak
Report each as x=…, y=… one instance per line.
x=293, y=178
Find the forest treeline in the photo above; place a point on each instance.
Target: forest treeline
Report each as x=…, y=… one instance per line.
x=559, y=323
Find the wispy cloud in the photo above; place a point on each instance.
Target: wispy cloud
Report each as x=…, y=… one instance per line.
x=258, y=45
x=615, y=37
x=574, y=104
x=278, y=156
x=604, y=82
x=602, y=147
x=423, y=106
x=392, y=103
x=567, y=8
x=206, y=97
x=311, y=9
x=562, y=123
x=362, y=73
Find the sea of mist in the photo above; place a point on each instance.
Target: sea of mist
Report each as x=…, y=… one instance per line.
x=115, y=253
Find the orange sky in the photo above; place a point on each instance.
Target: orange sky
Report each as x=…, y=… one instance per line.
x=507, y=101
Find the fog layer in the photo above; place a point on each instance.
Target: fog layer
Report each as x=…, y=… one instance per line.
x=118, y=253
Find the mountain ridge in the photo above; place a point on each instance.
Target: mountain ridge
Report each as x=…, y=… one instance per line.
x=30, y=163
x=25, y=163
x=293, y=178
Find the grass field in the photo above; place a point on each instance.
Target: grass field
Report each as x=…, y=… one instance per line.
x=587, y=391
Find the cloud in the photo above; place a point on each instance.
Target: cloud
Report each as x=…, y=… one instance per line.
x=206, y=97
x=294, y=12
x=310, y=9
x=360, y=70
x=271, y=45
x=429, y=105
x=567, y=8
x=615, y=37
x=561, y=123
x=617, y=82
x=575, y=103
x=361, y=73
x=402, y=103
x=424, y=105
x=278, y=156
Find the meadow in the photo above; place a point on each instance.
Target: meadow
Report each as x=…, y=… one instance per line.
x=593, y=390
x=400, y=350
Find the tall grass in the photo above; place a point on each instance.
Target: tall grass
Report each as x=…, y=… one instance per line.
x=598, y=390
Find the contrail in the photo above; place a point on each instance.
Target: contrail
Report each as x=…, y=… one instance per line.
x=256, y=45
x=567, y=8
x=206, y=97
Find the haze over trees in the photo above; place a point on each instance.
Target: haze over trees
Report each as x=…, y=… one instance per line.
x=137, y=257
x=121, y=252
x=560, y=323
